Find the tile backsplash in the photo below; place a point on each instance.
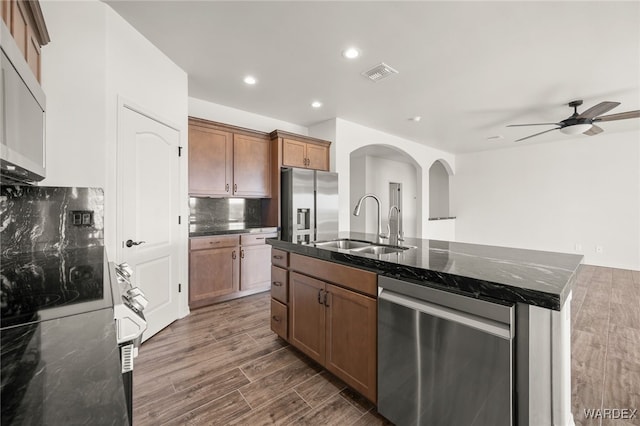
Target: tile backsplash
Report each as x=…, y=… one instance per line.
x=223, y=212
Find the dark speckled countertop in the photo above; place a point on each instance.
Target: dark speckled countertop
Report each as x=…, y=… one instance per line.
x=493, y=273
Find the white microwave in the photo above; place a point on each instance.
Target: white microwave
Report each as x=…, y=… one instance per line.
x=22, y=116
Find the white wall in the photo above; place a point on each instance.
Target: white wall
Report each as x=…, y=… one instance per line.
x=553, y=196
x=351, y=136
x=74, y=75
x=94, y=60
x=357, y=188
x=236, y=117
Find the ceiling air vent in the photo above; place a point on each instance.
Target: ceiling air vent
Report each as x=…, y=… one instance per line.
x=379, y=72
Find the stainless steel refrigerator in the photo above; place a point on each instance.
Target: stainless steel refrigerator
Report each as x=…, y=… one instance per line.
x=309, y=205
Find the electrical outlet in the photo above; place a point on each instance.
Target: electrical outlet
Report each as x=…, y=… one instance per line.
x=599, y=249
x=82, y=217
x=578, y=248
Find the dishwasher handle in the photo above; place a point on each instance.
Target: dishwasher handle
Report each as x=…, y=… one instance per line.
x=499, y=329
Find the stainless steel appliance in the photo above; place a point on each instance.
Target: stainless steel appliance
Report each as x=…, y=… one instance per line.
x=443, y=359
x=309, y=205
x=22, y=116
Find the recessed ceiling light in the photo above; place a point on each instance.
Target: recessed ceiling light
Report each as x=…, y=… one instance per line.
x=416, y=118
x=316, y=104
x=351, y=53
x=250, y=80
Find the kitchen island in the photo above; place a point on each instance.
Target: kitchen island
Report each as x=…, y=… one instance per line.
x=535, y=285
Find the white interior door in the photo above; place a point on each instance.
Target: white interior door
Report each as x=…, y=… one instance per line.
x=148, y=209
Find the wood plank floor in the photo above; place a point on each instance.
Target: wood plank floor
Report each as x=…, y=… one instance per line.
x=223, y=365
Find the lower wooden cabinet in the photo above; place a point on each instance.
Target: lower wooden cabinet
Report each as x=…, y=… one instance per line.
x=228, y=266
x=255, y=264
x=212, y=273
x=279, y=319
x=337, y=328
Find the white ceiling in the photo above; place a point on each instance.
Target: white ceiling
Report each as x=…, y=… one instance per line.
x=468, y=68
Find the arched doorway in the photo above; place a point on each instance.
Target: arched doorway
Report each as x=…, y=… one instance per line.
x=395, y=178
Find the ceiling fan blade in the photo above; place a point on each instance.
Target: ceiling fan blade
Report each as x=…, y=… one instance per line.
x=620, y=116
x=535, y=124
x=596, y=110
x=594, y=130
x=546, y=131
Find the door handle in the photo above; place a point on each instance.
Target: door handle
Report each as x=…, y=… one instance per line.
x=242, y=254
x=326, y=294
x=226, y=188
x=277, y=283
x=320, y=296
x=235, y=188
x=131, y=243
x=233, y=254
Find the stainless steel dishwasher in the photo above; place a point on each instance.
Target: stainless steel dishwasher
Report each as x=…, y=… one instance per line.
x=443, y=358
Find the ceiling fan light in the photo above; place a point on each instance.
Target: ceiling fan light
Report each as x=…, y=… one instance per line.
x=576, y=129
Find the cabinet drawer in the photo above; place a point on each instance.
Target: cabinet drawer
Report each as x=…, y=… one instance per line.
x=279, y=318
x=253, y=239
x=280, y=258
x=346, y=276
x=279, y=284
x=201, y=243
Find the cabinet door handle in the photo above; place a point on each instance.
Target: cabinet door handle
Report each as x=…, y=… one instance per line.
x=276, y=318
x=320, y=296
x=233, y=254
x=326, y=299
x=277, y=283
x=242, y=254
x=277, y=256
x=235, y=188
x=226, y=188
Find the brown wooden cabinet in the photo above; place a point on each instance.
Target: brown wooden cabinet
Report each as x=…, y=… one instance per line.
x=332, y=316
x=255, y=264
x=308, y=155
x=26, y=24
x=214, y=264
x=226, y=161
x=226, y=267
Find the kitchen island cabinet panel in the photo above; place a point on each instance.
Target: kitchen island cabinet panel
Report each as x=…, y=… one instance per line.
x=307, y=316
x=351, y=334
x=279, y=284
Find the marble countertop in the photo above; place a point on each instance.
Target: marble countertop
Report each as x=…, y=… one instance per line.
x=201, y=230
x=514, y=275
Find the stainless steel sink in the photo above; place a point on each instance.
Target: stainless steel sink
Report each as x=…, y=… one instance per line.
x=376, y=249
x=344, y=244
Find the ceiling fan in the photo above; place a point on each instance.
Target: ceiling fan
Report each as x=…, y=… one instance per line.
x=584, y=122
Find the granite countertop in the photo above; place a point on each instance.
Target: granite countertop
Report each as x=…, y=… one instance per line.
x=204, y=230
x=492, y=273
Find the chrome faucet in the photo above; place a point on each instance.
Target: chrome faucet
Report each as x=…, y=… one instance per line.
x=395, y=237
x=356, y=212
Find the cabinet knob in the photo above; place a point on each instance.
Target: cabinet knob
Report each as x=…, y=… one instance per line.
x=277, y=283
x=277, y=256
x=276, y=318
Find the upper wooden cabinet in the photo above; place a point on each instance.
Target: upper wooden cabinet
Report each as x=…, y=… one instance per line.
x=306, y=154
x=26, y=24
x=227, y=161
